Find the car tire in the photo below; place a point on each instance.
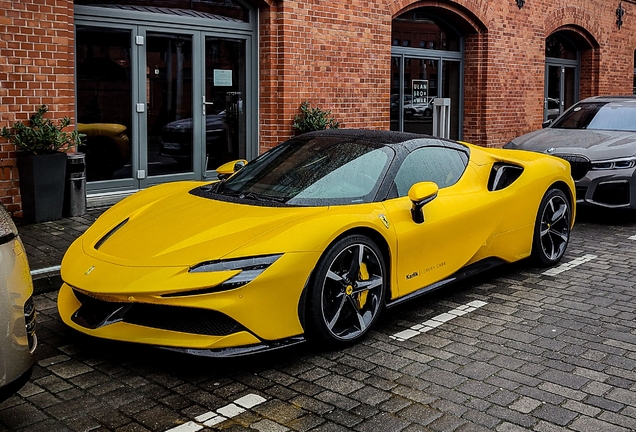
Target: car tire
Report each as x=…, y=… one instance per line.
x=552, y=228
x=342, y=309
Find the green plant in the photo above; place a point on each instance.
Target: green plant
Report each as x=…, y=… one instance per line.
x=311, y=119
x=42, y=135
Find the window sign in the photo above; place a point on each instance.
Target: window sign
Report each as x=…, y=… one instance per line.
x=420, y=91
x=223, y=77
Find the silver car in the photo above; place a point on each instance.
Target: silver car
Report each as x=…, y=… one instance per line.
x=598, y=137
x=17, y=311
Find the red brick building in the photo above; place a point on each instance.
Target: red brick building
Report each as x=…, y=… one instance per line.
x=167, y=90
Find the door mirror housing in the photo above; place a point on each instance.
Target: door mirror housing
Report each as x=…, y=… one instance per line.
x=546, y=123
x=421, y=194
x=229, y=168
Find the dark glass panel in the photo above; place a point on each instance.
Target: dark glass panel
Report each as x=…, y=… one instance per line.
x=225, y=127
x=557, y=46
x=104, y=100
x=425, y=31
x=169, y=103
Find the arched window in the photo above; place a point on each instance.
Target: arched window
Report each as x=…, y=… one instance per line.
x=427, y=56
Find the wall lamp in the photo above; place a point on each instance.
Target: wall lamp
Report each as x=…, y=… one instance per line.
x=520, y=3
x=619, y=15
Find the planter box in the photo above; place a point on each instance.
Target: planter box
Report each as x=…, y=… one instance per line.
x=42, y=185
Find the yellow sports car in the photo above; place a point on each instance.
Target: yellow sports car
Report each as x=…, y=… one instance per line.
x=312, y=240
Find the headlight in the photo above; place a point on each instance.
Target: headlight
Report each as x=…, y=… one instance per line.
x=8, y=230
x=250, y=268
x=614, y=164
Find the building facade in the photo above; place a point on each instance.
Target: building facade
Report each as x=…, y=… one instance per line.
x=168, y=90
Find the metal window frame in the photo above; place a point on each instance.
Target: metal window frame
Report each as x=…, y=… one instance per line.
x=403, y=53
x=141, y=22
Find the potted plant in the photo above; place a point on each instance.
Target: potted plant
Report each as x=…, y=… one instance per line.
x=41, y=158
x=312, y=119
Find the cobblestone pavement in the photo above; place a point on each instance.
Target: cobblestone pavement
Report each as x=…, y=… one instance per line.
x=514, y=350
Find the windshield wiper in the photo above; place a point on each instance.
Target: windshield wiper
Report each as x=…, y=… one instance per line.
x=261, y=197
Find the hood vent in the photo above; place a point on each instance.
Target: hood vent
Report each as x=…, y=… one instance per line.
x=110, y=233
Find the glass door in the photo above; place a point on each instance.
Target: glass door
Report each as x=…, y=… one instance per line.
x=223, y=101
x=160, y=105
x=105, y=87
x=169, y=133
x=415, y=83
x=561, y=89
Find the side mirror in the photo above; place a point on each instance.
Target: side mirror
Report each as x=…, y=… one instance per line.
x=546, y=123
x=421, y=194
x=229, y=168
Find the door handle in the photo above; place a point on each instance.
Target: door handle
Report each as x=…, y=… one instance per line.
x=206, y=103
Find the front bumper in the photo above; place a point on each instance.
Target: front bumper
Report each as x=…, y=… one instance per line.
x=608, y=189
x=140, y=305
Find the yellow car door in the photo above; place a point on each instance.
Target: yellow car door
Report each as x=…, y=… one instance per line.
x=456, y=225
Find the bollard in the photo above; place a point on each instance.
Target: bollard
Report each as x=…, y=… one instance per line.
x=75, y=190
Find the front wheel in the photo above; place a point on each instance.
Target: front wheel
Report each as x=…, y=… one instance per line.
x=347, y=291
x=552, y=228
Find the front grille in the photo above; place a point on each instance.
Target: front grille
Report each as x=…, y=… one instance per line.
x=612, y=193
x=29, y=319
x=96, y=313
x=580, y=165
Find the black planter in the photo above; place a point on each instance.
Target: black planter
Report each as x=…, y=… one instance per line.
x=42, y=185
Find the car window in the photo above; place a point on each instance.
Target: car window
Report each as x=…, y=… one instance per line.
x=441, y=165
x=314, y=171
x=599, y=116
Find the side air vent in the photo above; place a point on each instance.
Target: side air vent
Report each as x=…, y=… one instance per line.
x=110, y=233
x=503, y=175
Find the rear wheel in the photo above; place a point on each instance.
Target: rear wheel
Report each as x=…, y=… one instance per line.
x=347, y=291
x=552, y=228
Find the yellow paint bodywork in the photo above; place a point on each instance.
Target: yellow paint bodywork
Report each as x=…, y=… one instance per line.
x=169, y=230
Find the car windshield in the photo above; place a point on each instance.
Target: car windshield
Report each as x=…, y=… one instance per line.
x=313, y=171
x=599, y=116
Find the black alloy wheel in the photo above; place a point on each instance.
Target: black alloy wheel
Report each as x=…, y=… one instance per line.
x=552, y=228
x=347, y=291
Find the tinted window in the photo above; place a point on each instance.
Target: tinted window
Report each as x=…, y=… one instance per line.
x=313, y=171
x=599, y=116
x=441, y=165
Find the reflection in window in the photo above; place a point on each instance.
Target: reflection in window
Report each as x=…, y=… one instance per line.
x=558, y=46
x=104, y=95
x=634, y=89
x=440, y=165
x=420, y=26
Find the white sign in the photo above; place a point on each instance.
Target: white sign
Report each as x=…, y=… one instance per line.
x=420, y=91
x=222, y=78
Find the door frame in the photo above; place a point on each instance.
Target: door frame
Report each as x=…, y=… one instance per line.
x=563, y=64
x=403, y=53
x=141, y=22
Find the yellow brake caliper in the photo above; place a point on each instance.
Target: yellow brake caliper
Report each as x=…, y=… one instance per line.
x=363, y=275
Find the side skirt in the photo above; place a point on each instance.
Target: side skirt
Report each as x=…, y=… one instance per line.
x=463, y=273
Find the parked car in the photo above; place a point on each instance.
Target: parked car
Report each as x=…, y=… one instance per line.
x=419, y=109
x=176, y=138
x=17, y=311
x=598, y=137
x=312, y=239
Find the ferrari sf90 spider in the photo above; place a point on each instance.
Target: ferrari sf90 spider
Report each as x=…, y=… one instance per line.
x=312, y=240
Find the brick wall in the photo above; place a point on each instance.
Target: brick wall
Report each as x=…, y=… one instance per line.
x=36, y=67
x=337, y=56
